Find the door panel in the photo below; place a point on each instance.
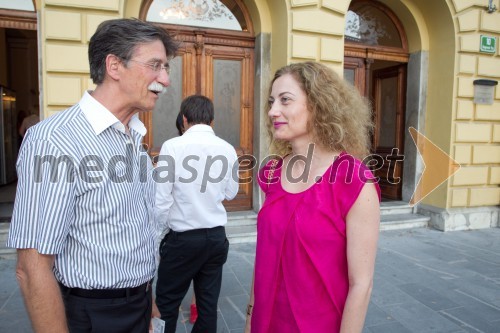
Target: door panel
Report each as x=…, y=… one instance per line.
x=389, y=105
x=163, y=119
x=354, y=73
x=229, y=72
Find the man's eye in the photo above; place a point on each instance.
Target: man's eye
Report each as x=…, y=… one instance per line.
x=156, y=66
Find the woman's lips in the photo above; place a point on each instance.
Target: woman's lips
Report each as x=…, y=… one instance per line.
x=277, y=124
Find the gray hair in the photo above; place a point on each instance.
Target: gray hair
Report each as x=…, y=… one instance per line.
x=120, y=38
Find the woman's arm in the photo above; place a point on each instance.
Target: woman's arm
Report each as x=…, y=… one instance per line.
x=363, y=221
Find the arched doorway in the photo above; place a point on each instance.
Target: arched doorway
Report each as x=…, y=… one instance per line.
x=375, y=61
x=216, y=59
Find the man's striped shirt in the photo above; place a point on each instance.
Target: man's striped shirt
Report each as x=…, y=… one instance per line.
x=85, y=194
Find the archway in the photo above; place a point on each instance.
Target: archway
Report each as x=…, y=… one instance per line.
x=212, y=61
x=376, y=57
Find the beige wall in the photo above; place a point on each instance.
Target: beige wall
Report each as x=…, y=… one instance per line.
x=66, y=27
x=475, y=128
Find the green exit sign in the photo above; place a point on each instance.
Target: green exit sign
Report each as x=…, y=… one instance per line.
x=488, y=44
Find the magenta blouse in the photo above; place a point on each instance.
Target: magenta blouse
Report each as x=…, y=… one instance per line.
x=301, y=277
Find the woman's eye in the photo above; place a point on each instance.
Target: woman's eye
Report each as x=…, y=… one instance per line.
x=270, y=103
x=284, y=100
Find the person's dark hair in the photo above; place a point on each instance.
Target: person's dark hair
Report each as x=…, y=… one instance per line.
x=179, y=123
x=120, y=38
x=197, y=109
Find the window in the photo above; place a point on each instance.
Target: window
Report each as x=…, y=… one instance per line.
x=198, y=13
x=370, y=25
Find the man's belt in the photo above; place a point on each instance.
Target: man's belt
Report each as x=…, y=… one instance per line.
x=106, y=293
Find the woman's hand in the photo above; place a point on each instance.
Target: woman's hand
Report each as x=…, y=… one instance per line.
x=249, y=318
x=248, y=324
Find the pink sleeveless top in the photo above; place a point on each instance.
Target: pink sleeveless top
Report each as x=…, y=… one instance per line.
x=301, y=277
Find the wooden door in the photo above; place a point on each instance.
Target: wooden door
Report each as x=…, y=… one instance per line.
x=354, y=72
x=389, y=89
x=219, y=65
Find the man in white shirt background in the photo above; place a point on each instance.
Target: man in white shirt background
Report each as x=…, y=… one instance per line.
x=195, y=173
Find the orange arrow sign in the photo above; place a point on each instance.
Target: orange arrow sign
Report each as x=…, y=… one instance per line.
x=438, y=166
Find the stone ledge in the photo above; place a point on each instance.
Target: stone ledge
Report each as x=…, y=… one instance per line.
x=453, y=219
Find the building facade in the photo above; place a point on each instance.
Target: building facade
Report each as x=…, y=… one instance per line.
x=418, y=61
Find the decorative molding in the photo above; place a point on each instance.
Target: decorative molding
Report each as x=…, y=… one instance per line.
x=218, y=40
x=379, y=53
x=17, y=19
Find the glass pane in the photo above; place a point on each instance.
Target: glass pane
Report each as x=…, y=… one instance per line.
x=168, y=106
x=199, y=13
x=18, y=5
x=369, y=25
x=227, y=100
x=388, y=107
x=349, y=75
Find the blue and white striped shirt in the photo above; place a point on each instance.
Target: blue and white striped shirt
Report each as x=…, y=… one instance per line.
x=85, y=194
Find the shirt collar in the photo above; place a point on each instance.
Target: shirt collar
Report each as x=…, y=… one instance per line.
x=100, y=118
x=198, y=128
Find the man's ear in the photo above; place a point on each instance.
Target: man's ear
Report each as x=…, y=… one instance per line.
x=113, y=64
x=185, y=122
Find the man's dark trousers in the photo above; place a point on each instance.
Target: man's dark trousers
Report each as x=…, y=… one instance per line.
x=196, y=255
x=109, y=315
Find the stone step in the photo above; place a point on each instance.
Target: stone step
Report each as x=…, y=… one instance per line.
x=395, y=207
x=248, y=233
x=5, y=252
x=8, y=254
x=241, y=218
x=4, y=232
x=403, y=221
x=6, y=209
x=241, y=234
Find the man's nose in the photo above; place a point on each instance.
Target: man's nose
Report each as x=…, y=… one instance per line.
x=164, y=78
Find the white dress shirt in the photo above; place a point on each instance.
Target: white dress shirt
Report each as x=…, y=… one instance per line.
x=194, y=174
x=97, y=215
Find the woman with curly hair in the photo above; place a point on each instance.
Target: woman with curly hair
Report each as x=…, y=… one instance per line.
x=317, y=231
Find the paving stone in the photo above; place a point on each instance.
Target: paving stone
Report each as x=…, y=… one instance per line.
x=394, y=327
x=470, y=321
x=419, y=318
x=376, y=316
x=230, y=285
x=428, y=297
x=385, y=296
x=425, y=281
x=233, y=309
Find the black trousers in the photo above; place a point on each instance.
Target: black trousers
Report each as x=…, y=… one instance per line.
x=112, y=315
x=196, y=255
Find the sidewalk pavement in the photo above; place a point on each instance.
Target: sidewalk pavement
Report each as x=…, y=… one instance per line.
x=425, y=281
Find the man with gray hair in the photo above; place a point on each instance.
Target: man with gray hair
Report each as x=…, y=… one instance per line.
x=83, y=220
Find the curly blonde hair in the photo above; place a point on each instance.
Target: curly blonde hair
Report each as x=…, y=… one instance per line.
x=341, y=118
